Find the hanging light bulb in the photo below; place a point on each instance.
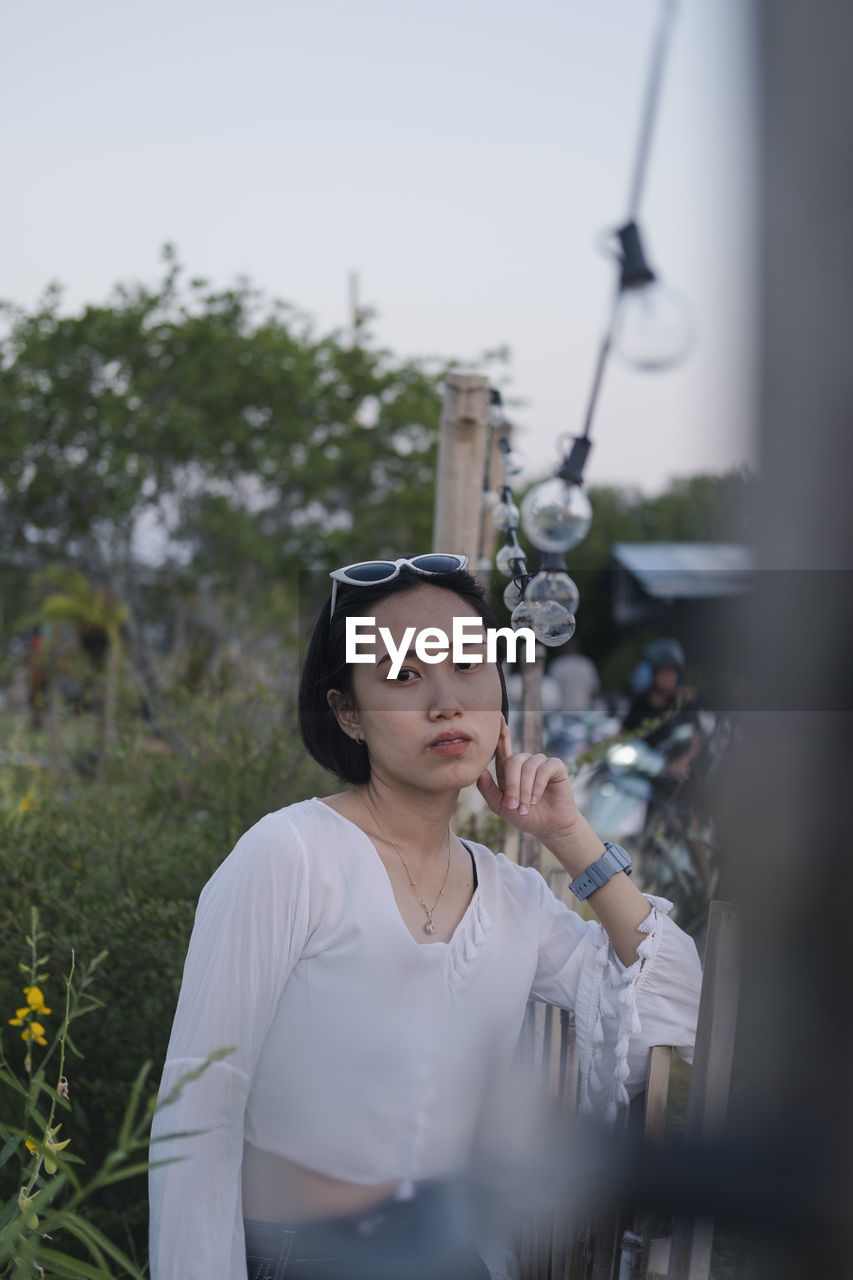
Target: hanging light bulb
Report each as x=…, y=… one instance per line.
x=552, y=623
x=489, y=498
x=520, y=616
x=512, y=595
x=505, y=514
x=549, y=585
x=652, y=327
x=513, y=463
x=556, y=514
x=496, y=409
x=510, y=560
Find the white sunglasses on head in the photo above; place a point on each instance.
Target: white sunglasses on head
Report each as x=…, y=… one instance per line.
x=368, y=572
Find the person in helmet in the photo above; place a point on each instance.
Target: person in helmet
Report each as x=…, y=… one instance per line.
x=659, y=711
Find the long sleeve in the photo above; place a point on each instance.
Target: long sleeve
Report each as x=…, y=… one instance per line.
x=620, y=1011
x=251, y=926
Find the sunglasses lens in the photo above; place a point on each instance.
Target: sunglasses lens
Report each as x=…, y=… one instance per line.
x=372, y=571
x=437, y=564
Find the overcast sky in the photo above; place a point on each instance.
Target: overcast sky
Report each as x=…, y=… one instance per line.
x=462, y=157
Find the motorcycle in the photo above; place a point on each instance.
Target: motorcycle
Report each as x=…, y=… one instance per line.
x=628, y=797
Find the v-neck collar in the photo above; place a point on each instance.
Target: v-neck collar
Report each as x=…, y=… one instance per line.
x=462, y=926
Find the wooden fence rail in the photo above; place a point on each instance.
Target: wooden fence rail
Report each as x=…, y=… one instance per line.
x=602, y=1248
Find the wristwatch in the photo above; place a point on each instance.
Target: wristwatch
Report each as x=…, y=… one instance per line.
x=598, y=873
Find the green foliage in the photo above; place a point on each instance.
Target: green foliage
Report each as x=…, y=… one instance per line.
x=46, y=1193
x=116, y=863
x=42, y=1195
x=254, y=441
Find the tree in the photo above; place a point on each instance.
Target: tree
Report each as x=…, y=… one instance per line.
x=219, y=421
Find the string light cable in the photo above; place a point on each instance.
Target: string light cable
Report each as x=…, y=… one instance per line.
x=650, y=327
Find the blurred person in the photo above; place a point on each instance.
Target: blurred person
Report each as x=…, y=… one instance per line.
x=577, y=677
x=666, y=714
x=369, y=971
x=664, y=705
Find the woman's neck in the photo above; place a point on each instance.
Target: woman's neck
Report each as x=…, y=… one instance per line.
x=409, y=815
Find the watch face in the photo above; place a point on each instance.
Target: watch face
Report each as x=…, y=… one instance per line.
x=619, y=855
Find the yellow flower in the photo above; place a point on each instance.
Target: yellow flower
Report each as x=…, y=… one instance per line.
x=27, y=801
x=35, y=999
x=35, y=1031
x=35, y=1006
x=50, y=1145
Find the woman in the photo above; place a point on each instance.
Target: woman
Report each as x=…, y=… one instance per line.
x=369, y=971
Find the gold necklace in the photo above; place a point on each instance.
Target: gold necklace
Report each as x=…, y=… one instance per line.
x=430, y=925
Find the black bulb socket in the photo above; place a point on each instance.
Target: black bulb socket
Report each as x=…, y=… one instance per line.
x=571, y=468
x=635, y=269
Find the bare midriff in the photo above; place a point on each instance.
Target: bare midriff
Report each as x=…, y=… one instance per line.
x=276, y=1190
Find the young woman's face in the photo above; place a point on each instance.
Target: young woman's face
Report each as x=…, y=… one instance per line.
x=434, y=725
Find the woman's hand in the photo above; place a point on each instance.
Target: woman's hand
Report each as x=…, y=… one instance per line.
x=533, y=792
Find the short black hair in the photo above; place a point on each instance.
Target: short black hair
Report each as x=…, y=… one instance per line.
x=326, y=668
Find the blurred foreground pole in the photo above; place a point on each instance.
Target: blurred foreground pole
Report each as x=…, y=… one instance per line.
x=789, y=835
x=461, y=460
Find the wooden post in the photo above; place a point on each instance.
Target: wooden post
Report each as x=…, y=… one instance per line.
x=461, y=460
x=488, y=537
x=457, y=524
x=531, y=739
x=657, y=1088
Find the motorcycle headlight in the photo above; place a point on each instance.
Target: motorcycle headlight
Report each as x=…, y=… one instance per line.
x=622, y=755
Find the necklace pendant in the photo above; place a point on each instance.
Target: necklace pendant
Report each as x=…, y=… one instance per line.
x=429, y=927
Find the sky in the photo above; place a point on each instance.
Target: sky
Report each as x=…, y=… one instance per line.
x=464, y=159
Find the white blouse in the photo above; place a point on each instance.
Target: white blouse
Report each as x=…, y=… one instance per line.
x=356, y=1051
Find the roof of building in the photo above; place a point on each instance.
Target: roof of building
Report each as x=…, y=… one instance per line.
x=678, y=570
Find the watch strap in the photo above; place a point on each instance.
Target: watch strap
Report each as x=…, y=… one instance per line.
x=598, y=873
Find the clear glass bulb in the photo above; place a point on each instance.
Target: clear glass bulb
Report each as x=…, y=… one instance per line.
x=557, y=634
x=505, y=515
x=513, y=463
x=521, y=617
x=556, y=585
x=512, y=595
x=508, y=560
x=489, y=498
x=556, y=514
x=653, y=327
x=552, y=623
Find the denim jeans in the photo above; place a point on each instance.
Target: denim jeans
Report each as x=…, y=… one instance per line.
x=425, y=1238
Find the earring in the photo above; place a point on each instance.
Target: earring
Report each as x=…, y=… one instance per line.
x=359, y=739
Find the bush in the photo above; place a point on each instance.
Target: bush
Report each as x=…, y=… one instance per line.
x=115, y=863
